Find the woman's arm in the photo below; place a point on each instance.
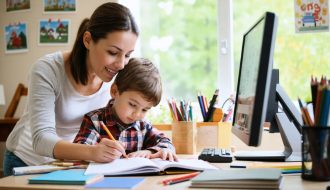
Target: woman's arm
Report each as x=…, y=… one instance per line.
x=43, y=90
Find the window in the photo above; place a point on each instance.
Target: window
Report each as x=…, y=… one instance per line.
x=180, y=37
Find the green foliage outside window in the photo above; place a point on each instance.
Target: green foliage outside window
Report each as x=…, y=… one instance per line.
x=185, y=33
x=181, y=37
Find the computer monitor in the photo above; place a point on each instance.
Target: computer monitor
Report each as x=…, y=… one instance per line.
x=279, y=101
x=252, y=98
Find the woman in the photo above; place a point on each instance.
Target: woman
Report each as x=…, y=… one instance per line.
x=63, y=86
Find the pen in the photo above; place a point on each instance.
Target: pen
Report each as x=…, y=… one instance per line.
x=211, y=107
x=183, y=178
x=201, y=105
x=109, y=134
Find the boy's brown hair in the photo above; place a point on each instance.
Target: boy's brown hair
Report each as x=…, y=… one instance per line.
x=140, y=75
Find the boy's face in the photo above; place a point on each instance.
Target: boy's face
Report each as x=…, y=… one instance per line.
x=129, y=106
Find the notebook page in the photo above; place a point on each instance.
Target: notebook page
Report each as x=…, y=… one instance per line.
x=123, y=167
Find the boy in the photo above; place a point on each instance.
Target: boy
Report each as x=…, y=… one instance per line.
x=135, y=90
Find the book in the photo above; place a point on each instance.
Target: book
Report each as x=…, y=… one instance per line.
x=25, y=170
x=286, y=167
x=259, y=178
x=132, y=166
x=117, y=183
x=66, y=177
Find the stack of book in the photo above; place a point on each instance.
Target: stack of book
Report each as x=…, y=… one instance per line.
x=259, y=178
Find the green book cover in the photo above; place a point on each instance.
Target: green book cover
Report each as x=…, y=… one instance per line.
x=66, y=177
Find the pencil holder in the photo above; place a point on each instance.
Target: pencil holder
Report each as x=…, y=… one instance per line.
x=184, y=137
x=316, y=153
x=213, y=135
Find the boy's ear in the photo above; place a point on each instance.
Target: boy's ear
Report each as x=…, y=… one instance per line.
x=87, y=39
x=113, y=90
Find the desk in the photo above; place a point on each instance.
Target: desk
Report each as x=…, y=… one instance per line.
x=151, y=182
x=6, y=126
x=270, y=142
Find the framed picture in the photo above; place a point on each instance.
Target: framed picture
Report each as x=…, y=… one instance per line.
x=311, y=15
x=17, y=5
x=16, y=38
x=54, y=32
x=59, y=6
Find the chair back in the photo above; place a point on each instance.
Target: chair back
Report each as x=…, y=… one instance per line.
x=21, y=90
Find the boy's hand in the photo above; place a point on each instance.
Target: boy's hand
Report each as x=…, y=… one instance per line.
x=107, y=150
x=140, y=153
x=165, y=154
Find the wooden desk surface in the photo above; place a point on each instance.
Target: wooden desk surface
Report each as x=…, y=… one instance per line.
x=152, y=182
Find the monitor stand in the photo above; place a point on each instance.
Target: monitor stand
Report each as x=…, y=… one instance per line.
x=292, y=144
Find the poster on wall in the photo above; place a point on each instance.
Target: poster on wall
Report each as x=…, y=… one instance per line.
x=16, y=38
x=59, y=6
x=17, y=5
x=54, y=32
x=311, y=15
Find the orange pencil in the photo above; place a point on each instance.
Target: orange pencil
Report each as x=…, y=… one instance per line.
x=179, y=179
x=110, y=135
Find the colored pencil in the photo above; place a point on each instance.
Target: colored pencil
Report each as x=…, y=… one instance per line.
x=109, y=134
x=179, y=179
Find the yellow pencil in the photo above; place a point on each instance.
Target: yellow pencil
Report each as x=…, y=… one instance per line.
x=110, y=135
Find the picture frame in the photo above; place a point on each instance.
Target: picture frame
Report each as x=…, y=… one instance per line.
x=16, y=38
x=59, y=6
x=17, y=5
x=311, y=16
x=54, y=32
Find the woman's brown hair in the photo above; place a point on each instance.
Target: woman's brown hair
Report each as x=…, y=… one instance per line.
x=107, y=18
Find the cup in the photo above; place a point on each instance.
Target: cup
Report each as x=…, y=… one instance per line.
x=316, y=153
x=184, y=137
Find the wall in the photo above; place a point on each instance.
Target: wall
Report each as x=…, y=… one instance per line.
x=14, y=67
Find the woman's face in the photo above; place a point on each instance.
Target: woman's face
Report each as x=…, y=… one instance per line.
x=106, y=57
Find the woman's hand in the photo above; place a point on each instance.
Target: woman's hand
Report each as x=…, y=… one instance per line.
x=107, y=150
x=140, y=153
x=165, y=154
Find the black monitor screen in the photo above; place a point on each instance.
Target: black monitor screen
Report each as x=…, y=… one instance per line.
x=254, y=79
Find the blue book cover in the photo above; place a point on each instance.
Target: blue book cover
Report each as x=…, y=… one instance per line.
x=66, y=177
x=117, y=182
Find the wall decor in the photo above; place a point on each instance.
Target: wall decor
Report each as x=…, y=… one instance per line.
x=59, y=6
x=16, y=38
x=17, y=5
x=54, y=32
x=311, y=15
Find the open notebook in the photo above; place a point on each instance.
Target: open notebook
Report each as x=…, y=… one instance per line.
x=132, y=166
